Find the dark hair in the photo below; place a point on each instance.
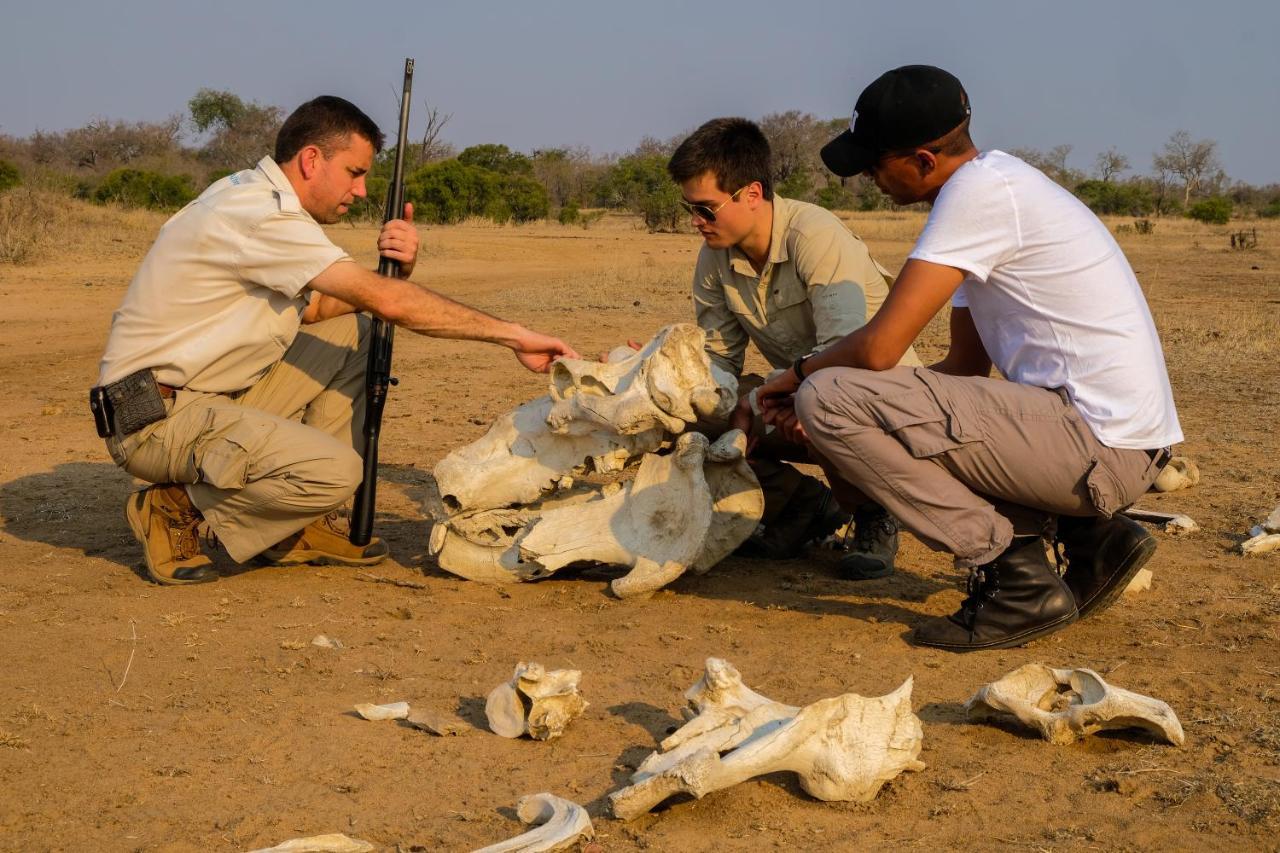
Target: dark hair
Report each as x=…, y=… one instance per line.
x=733, y=149
x=325, y=122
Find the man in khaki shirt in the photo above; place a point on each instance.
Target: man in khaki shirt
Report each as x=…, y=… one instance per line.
x=240, y=343
x=790, y=278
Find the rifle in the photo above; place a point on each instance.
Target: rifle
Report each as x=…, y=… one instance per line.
x=377, y=376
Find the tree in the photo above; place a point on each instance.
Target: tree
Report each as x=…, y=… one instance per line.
x=1215, y=210
x=1109, y=164
x=9, y=177
x=432, y=148
x=1194, y=163
x=639, y=182
x=241, y=133
x=1052, y=162
x=496, y=158
x=138, y=188
x=795, y=138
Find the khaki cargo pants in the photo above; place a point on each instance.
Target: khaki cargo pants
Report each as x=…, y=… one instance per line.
x=262, y=464
x=964, y=463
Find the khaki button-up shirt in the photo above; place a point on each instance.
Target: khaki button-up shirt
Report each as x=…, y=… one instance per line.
x=220, y=295
x=818, y=285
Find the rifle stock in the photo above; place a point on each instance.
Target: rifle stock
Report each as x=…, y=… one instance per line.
x=377, y=378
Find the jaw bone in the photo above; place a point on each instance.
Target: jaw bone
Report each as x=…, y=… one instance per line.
x=844, y=748
x=1065, y=705
x=535, y=702
x=560, y=823
x=687, y=509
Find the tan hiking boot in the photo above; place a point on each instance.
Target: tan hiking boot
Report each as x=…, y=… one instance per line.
x=164, y=522
x=324, y=542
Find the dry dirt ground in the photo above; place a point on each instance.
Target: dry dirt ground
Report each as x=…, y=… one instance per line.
x=135, y=717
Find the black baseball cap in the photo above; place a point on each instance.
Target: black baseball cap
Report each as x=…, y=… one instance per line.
x=905, y=107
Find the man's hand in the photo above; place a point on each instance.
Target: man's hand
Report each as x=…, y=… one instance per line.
x=399, y=241
x=778, y=405
x=538, y=352
x=743, y=418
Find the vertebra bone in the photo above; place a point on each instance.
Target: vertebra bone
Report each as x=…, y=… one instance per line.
x=844, y=748
x=535, y=702
x=1065, y=705
x=560, y=825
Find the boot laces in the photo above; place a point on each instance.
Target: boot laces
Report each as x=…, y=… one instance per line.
x=184, y=533
x=982, y=587
x=865, y=533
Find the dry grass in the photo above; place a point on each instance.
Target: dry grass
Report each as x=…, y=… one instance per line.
x=31, y=221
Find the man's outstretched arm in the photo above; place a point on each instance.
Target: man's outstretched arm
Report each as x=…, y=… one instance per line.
x=425, y=312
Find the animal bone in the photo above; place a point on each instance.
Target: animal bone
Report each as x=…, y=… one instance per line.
x=1261, y=544
x=393, y=711
x=1065, y=705
x=1179, y=473
x=560, y=825
x=1141, y=582
x=844, y=748
x=514, y=511
x=436, y=723
x=689, y=508
x=334, y=843
x=1272, y=524
x=535, y=702
x=666, y=385
x=596, y=417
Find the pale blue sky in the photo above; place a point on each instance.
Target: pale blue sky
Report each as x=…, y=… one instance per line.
x=563, y=72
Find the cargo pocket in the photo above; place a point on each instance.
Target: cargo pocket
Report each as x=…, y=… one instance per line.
x=223, y=459
x=1105, y=491
x=964, y=421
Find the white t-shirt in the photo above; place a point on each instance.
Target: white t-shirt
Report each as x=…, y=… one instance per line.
x=1053, y=297
x=220, y=295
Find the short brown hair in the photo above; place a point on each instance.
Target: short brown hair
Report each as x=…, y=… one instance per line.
x=325, y=122
x=735, y=150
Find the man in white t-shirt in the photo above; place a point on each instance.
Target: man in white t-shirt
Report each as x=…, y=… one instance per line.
x=235, y=365
x=978, y=466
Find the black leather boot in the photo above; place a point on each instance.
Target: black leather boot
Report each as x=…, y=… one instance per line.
x=810, y=515
x=1103, y=555
x=1012, y=600
x=874, y=545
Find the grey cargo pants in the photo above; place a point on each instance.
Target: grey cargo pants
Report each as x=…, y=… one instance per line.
x=963, y=462
x=263, y=464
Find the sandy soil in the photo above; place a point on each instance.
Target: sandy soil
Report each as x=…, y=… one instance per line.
x=135, y=717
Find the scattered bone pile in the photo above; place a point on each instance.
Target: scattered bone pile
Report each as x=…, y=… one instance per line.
x=535, y=702
x=515, y=509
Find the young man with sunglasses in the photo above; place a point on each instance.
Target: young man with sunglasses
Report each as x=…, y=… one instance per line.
x=789, y=277
x=982, y=467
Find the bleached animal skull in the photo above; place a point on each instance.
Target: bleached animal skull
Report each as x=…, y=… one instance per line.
x=596, y=417
x=844, y=748
x=535, y=702
x=687, y=509
x=1065, y=705
x=560, y=824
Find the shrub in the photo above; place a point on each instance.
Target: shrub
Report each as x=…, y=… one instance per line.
x=496, y=158
x=640, y=183
x=136, y=188
x=9, y=177
x=450, y=191
x=570, y=213
x=1214, y=211
x=525, y=198
x=1272, y=210
x=836, y=197
x=1110, y=197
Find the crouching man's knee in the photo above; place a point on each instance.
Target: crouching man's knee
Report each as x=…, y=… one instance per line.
x=832, y=397
x=333, y=481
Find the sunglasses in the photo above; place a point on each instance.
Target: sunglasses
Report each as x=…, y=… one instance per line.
x=705, y=213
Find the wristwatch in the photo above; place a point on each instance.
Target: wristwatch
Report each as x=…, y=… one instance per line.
x=798, y=365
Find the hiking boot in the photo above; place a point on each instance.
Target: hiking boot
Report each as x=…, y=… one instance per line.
x=1103, y=555
x=324, y=542
x=1015, y=598
x=874, y=545
x=165, y=523
x=811, y=514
